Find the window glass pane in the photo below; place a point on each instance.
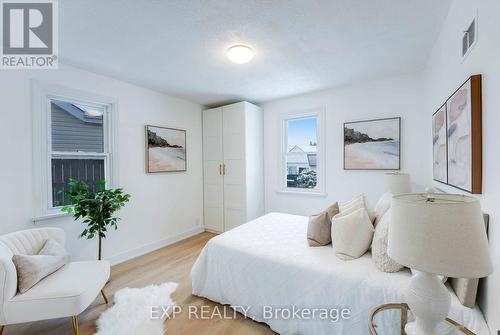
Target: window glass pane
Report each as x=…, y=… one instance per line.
x=88, y=170
x=301, y=155
x=76, y=127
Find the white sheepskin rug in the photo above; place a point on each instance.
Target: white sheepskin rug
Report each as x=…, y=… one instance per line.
x=131, y=313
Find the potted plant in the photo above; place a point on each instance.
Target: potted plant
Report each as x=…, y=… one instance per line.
x=96, y=207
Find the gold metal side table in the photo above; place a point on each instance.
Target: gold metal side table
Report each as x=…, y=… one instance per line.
x=448, y=327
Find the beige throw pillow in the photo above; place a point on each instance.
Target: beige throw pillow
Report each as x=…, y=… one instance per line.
x=320, y=225
x=379, y=246
x=356, y=203
x=33, y=268
x=352, y=234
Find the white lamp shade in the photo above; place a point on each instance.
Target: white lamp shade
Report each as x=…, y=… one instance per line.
x=446, y=236
x=397, y=183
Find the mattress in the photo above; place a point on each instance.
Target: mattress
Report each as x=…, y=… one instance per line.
x=266, y=270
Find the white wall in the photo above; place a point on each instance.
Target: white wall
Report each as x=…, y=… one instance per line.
x=163, y=207
x=398, y=96
x=444, y=73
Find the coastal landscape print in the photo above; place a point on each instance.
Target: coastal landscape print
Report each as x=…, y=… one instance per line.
x=166, y=149
x=440, y=159
x=372, y=144
x=459, y=138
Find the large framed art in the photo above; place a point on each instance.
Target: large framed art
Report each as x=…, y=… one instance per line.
x=461, y=118
x=372, y=144
x=165, y=149
x=439, y=150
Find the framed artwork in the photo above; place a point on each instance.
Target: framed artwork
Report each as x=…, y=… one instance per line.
x=464, y=136
x=439, y=145
x=165, y=149
x=372, y=144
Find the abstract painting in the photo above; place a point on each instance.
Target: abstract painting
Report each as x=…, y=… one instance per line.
x=372, y=144
x=165, y=149
x=440, y=159
x=464, y=139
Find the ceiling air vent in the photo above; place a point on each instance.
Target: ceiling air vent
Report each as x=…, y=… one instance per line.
x=469, y=37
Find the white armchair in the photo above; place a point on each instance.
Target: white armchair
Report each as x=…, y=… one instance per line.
x=65, y=293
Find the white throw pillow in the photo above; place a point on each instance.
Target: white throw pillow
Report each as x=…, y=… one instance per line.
x=379, y=246
x=356, y=203
x=382, y=206
x=33, y=268
x=352, y=234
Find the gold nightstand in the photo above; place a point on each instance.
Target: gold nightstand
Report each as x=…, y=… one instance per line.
x=449, y=327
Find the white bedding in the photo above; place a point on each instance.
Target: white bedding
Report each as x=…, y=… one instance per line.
x=267, y=262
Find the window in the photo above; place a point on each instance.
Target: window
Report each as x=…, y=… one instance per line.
x=72, y=140
x=301, y=152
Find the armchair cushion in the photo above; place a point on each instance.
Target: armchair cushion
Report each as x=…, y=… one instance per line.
x=33, y=268
x=66, y=292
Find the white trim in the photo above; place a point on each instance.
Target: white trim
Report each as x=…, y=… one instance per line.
x=319, y=114
x=213, y=231
x=50, y=216
x=42, y=93
x=302, y=193
x=146, y=248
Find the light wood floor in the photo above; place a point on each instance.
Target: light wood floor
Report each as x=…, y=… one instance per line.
x=169, y=264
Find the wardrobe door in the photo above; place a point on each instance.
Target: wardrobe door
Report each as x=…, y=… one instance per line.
x=212, y=170
x=234, y=165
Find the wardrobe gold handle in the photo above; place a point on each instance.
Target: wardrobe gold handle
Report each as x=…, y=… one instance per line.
x=220, y=169
x=224, y=169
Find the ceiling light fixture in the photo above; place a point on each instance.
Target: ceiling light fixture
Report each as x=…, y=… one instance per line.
x=240, y=54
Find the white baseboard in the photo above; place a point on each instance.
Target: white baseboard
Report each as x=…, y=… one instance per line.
x=212, y=231
x=127, y=255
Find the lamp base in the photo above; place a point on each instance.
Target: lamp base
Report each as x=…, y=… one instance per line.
x=429, y=300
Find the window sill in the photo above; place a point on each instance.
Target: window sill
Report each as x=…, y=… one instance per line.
x=49, y=216
x=304, y=193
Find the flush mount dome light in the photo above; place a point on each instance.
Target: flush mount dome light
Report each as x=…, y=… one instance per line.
x=240, y=54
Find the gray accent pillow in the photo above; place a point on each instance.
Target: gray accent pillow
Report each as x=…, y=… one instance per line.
x=33, y=268
x=379, y=246
x=320, y=225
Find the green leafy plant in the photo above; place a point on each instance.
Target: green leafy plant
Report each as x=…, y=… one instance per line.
x=97, y=207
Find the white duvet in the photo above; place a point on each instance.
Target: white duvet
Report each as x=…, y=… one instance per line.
x=266, y=265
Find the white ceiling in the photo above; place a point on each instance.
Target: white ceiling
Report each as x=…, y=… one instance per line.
x=178, y=46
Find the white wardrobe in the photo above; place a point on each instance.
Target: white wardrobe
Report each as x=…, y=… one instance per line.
x=233, y=147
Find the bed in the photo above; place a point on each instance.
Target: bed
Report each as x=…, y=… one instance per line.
x=266, y=266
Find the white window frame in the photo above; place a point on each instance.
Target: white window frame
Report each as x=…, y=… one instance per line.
x=319, y=114
x=42, y=95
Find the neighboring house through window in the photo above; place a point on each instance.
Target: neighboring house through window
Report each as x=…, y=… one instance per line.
x=73, y=139
x=302, y=149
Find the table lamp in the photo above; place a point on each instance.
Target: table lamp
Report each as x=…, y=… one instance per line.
x=437, y=234
x=397, y=183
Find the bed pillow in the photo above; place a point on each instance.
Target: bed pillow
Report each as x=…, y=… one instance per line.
x=33, y=268
x=352, y=234
x=466, y=288
x=351, y=206
x=382, y=206
x=353, y=202
x=320, y=226
x=356, y=203
x=379, y=246
x=332, y=211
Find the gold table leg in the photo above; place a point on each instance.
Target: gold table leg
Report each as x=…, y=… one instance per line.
x=103, y=295
x=74, y=319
